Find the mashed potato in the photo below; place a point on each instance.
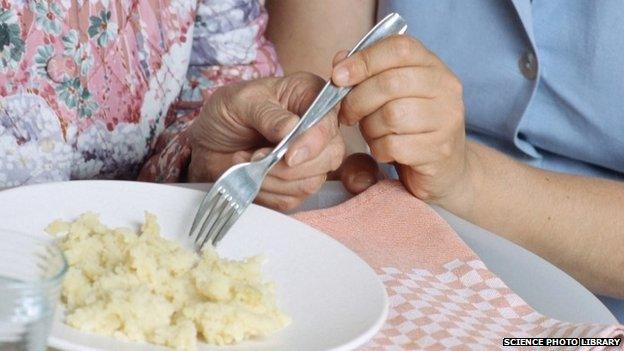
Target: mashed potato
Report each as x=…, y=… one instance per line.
x=145, y=288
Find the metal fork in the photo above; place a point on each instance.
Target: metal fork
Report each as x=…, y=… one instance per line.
x=238, y=186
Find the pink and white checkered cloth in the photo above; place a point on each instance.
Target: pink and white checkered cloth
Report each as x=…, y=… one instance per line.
x=441, y=295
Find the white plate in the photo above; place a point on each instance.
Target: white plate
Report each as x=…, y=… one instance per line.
x=335, y=299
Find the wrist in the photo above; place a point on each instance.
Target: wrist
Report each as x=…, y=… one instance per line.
x=462, y=195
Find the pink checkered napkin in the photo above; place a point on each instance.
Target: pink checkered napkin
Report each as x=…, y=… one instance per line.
x=441, y=295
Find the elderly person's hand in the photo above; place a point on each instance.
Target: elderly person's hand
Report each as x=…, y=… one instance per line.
x=410, y=110
x=244, y=121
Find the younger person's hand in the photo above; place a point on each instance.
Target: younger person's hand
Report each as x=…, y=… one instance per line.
x=410, y=110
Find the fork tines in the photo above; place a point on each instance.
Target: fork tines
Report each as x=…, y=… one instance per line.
x=215, y=215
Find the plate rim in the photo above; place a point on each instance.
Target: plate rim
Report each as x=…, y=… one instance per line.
x=62, y=344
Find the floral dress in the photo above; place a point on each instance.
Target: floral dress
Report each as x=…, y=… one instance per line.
x=88, y=88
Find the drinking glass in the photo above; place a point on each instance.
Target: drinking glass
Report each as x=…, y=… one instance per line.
x=31, y=271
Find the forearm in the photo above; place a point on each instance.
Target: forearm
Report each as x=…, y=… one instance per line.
x=308, y=33
x=574, y=222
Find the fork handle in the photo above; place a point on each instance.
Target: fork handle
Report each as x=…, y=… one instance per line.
x=331, y=95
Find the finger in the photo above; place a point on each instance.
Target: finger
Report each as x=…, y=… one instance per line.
x=402, y=116
x=312, y=143
x=410, y=150
x=395, y=51
x=298, y=90
x=297, y=188
x=340, y=55
x=329, y=160
x=278, y=202
x=260, y=153
x=272, y=120
x=208, y=166
x=240, y=157
x=358, y=172
x=390, y=85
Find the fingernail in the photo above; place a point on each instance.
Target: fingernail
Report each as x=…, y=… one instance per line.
x=344, y=54
x=364, y=179
x=341, y=55
x=341, y=75
x=258, y=155
x=238, y=158
x=299, y=156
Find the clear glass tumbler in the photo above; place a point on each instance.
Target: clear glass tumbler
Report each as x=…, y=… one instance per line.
x=31, y=272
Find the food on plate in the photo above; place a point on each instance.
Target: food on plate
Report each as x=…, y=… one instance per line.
x=142, y=287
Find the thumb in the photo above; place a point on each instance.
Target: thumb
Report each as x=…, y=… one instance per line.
x=273, y=121
x=359, y=172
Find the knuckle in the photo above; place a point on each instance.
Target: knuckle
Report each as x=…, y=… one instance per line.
x=312, y=185
x=446, y=149
x=363, y=65
x=348, y=108
x=457, y=118
x=429, y=58
x=402, y=156
x=222, y=101
x=429, y=170
x=366, y=127
x=453, y=116
x=438, y=84
x=459, y=111
x=245, y=92
x=394, y=113
x=393, y=149
x=392, y=144
x=280, y=127
x=456, y=86
x=390, y=83
x=403, y=46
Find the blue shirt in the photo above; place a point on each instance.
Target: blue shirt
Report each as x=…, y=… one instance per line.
x=569, y=115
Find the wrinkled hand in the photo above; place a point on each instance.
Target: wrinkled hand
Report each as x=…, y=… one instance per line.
x=244, y=121
x=410, y=110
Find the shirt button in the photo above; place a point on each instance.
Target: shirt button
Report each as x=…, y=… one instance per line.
x=528, y=65
x=61, y=68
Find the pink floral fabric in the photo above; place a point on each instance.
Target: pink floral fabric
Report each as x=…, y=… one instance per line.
x=89, y=87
